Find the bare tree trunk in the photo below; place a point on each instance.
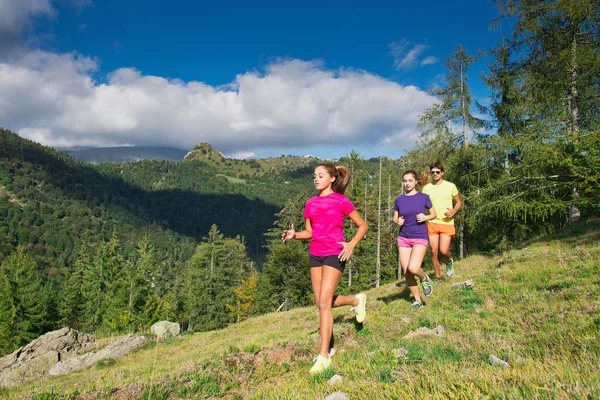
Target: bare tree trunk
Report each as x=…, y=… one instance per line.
x=366, y=203
x=130, y=306
x=378, y=268
x=574, y=213
x=574, y=96
x=399, y=267
x=463, y=241
x=350, y=272
x=464, y=108
x=389, y=205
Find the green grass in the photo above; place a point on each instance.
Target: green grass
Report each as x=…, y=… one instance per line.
x=233, y=179
x=536, y=307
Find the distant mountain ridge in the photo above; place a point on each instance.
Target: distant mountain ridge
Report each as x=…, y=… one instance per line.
x=252, y=167
x=203, y=151
x=125, y=154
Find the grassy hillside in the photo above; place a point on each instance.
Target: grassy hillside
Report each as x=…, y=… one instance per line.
x=266, y=166
x=536, y=307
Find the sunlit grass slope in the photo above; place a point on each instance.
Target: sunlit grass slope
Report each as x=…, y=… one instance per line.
x=536, y=307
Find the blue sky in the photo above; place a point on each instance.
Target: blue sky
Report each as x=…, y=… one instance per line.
x=255, y=79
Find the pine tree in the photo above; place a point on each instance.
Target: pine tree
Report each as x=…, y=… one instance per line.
x=244, y=299
x=217, y=266
x=7, y=315
x=71, y=306
x=453, y=113
x=546, y=96
x=112, y=264
x=285, y=281
x=93, y=291
x=139, y=274
x=441, y=122
x=21, y=303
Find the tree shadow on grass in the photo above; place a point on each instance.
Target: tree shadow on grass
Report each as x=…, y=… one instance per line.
x=404, y=294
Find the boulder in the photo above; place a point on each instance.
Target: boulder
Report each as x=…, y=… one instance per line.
x=34, y=360
x=117, y=349
x=498, y=361
x=165, y=329
x=468, y=284
x=337, y=396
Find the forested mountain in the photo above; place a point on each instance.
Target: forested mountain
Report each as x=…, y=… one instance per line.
x=68, y=225
x=117, y=246
x=57, y=200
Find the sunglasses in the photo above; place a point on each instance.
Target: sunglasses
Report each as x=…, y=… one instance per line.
x=436, y=172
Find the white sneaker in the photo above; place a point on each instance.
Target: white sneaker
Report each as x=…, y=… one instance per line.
x=321, y=364
x=360, y=309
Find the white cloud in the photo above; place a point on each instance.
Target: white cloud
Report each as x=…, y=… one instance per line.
x=52, y=98
x=16, y=16
x=407, y=55
x=429, y=60
x=241, y=155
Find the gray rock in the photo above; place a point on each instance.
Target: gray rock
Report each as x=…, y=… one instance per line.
x=439, y=330
x=34, y=360
x=468, y=284
x=336, y=379
x=497, y=361
x=337, y=396
x=165, y=329
x=117, y=349
x=400, y=353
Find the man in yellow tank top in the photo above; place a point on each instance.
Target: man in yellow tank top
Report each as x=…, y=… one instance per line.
x=446, y=202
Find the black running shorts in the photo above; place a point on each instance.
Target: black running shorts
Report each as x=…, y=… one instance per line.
x=330, y=261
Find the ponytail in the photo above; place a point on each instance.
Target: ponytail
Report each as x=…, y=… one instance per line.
x=425, y=177
x=341, y=175
x=341, y=180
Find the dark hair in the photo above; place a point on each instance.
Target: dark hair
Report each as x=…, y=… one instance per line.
x=414, y=174
x=341, y=175
x=437, y=165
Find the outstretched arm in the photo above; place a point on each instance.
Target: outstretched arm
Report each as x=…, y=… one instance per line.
x=291, y=233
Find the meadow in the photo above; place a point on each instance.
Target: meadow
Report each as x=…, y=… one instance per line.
x=535, y=307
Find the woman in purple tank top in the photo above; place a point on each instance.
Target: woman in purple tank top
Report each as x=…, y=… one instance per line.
x=324, y=223
x=409, y=213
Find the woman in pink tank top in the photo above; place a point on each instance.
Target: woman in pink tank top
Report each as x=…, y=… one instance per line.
x=324, y=222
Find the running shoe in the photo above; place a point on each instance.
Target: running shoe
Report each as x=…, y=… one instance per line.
x=416, y=305
x=436, y=282
x=360, y=309
x=450, y=267
x=427, y=286
x=321, y=364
